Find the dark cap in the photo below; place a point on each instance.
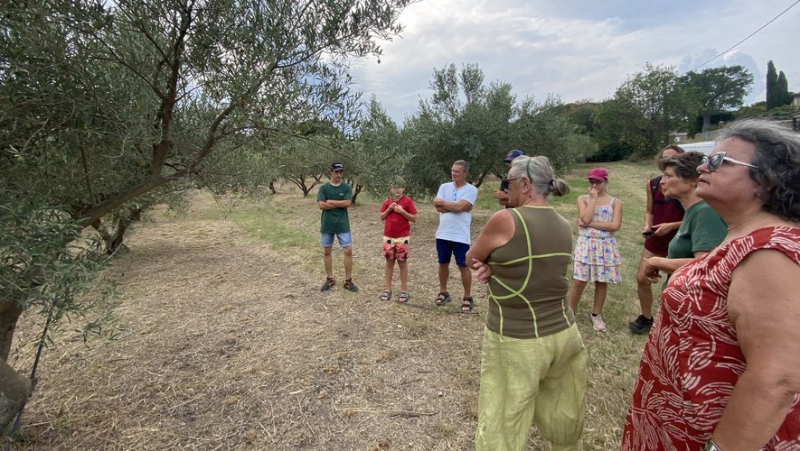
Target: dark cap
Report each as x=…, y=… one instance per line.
x=514, y=153
x=337, y=167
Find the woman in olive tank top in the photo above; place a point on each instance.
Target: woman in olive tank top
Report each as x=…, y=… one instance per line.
x=533, y=363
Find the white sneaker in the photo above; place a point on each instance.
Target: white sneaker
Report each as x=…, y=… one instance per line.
x=598, y=323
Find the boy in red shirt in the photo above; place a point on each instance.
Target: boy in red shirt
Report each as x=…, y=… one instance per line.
x=398, y=212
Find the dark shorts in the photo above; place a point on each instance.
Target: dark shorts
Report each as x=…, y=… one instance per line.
x=447, y=248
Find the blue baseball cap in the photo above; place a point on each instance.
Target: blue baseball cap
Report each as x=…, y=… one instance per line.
x=514, y=153
x=337, y=167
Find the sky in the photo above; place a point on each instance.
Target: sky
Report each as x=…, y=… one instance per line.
x=576, y=49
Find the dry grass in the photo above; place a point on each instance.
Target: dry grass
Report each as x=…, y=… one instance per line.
x=228, y=343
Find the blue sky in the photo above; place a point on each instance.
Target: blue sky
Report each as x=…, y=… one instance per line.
x=576, y=49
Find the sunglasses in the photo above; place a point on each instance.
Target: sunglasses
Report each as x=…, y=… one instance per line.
x=715, y=161
x=508, y=180
x=596, y=182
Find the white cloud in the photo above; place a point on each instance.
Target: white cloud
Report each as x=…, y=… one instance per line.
x=571, y=51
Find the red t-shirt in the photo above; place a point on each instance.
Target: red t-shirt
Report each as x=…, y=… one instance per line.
x=397, y=226
x=664, y=210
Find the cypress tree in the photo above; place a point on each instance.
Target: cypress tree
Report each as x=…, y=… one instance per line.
x=772, y=80
x=782, y=96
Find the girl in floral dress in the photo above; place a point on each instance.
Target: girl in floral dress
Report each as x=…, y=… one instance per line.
x=596, y=257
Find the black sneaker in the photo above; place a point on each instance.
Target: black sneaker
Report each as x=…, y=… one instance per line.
x=641, y=325
x=349, y=285
x=329, y=282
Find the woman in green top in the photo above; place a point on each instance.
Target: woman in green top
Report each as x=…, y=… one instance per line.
x=533, y=363
x=702, y=228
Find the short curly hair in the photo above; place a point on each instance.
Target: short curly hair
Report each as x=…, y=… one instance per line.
x=777, y=161
x=685, y=164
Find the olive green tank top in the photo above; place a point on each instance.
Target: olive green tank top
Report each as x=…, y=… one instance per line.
x=528, y=287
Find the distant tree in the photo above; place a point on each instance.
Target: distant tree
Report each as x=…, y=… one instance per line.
x=645, y=110
x=544, y=128
x=470, y=121
x=772, y=81
x=379, y=141
x=615, y=134
x=717, y=90
x=580, y=114
x=782, y=96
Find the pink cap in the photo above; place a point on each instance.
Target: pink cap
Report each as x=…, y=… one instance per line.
x=598, y=174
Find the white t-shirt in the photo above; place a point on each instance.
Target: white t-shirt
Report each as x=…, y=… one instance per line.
x=455, y=226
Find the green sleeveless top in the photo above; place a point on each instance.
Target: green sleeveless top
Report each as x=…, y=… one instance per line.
x=528, y=287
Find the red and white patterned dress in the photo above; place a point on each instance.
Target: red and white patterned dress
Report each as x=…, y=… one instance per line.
x=692, y=359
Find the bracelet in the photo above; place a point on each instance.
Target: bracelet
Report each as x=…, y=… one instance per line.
x=711, y=446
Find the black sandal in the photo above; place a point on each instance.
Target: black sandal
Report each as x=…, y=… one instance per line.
x=467, y=304
x=443, y=298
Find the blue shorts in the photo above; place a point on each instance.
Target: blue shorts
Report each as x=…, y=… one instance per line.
x=345, y=239
x=446, y=248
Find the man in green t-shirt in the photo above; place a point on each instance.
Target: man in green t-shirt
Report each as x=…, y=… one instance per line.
x=334, y=199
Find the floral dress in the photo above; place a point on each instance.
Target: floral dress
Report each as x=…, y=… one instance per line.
x=596, y=257
x=692, y=359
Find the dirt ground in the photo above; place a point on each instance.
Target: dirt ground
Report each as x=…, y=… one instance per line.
x=229, y=344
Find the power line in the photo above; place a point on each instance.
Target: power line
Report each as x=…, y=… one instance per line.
x=750, y=35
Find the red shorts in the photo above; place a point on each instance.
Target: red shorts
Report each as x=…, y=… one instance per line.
x=395, y=248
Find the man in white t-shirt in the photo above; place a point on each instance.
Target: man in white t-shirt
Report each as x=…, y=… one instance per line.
x=454, y=203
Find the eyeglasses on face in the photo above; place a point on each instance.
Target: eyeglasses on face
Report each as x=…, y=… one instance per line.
x=715, y=161
x=508, y=180
x=596, y=182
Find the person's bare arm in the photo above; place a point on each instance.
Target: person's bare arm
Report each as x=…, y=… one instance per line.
x=648, y=215
x=616, y=220
x=763, y=307
x=325, y=205
x=665, y=227
x=456, y=207
x=340, y=203
x=668, y=265
x=498, y=231
x=402, y=211
x=585, y=213
x=385, y=213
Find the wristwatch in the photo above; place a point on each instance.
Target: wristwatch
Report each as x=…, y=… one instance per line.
x=711, y=446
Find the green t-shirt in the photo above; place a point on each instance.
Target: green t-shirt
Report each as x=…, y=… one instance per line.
x=702, y=229
x=336, y=220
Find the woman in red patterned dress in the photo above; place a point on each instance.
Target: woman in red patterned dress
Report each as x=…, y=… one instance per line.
x=721, y=368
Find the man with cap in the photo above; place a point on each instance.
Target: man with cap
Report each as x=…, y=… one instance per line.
x=334, y=199
x=502, y=193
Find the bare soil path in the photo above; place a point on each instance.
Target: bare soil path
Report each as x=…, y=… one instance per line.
x=227, y=342
x=230, y=345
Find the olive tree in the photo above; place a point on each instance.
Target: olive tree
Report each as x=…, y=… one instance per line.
x=103, y=105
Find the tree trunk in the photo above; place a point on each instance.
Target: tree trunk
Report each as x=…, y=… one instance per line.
x=356, y=192
x=14, y=391
x=9, y=315
x=14, y=388
x=706, y=122
x=114, y=240
x=272, y=187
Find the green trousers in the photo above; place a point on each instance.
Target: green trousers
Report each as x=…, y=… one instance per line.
x=541, y=380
